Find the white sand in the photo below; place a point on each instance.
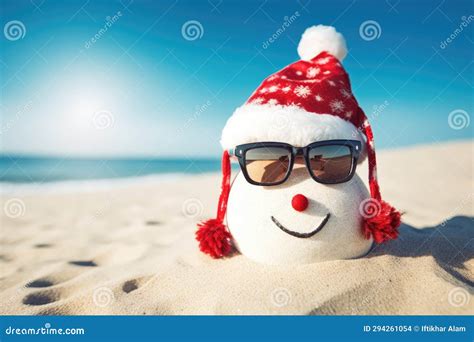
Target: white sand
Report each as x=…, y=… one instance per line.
x=131, y=251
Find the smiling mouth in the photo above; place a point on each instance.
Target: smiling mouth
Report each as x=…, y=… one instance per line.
x=301, y=235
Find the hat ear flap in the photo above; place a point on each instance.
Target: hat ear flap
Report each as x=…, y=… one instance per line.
x=213, y=236
x=381, y=220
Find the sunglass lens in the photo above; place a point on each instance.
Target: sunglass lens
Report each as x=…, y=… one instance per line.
x=267, y=165
x=331, y=164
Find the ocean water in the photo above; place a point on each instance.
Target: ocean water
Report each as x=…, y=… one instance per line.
x=39, y=170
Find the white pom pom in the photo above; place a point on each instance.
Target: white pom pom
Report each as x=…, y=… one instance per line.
x=317, y=39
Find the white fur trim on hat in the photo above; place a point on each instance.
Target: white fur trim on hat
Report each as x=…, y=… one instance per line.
x=317, y=39
x=288, y=124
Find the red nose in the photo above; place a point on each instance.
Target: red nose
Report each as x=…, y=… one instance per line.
x=299, y=202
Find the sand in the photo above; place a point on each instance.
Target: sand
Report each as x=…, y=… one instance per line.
x=130, y=250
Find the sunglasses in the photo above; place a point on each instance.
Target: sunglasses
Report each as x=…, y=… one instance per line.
x=271, y=163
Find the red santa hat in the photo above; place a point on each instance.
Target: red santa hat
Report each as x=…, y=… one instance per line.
x=307, y=101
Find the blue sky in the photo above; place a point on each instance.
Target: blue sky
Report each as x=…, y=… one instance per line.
x=143, y=89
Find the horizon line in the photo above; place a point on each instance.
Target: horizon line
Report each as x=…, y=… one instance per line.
x=42, y=155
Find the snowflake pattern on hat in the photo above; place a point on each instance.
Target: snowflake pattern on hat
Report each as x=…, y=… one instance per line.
x=320, y=85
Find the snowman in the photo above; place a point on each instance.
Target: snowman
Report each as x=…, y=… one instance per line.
x=298, y=140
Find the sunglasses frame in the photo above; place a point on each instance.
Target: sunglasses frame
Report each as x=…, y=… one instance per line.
x=240, y=152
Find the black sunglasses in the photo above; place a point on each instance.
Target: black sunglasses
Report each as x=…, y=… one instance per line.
x=271, y=163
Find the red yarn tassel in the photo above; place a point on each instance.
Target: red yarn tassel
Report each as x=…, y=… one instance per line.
x=213, y=236
x=382, y=220
x=383, y=226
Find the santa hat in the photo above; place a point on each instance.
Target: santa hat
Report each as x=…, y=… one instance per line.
x=307, y=101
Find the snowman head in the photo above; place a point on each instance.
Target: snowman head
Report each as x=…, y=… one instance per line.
x=298, y=140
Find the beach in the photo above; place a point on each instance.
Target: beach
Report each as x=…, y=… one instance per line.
x=130, y=250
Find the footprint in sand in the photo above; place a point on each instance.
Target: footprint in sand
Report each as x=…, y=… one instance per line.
x=42, y=245
x=84, y=263
x=54, y=287
x=42, y=297
x=43, y=282
x=152, y=223
x=133, y=284
x=5, y=258
x=129, y=286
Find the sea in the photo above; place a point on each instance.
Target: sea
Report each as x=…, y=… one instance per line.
x=47, y=173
